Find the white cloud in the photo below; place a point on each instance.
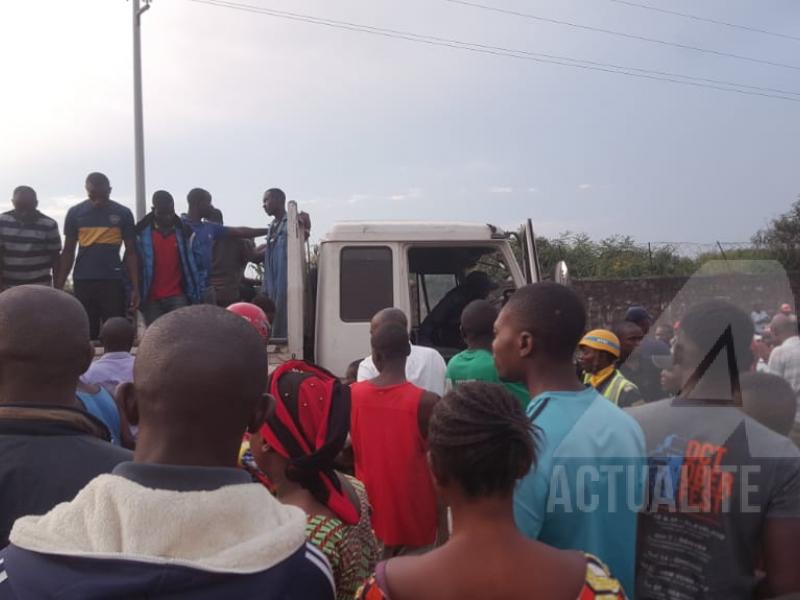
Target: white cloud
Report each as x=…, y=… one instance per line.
x=411, y=194
x=585, y=186
x=356, y=198
x=533, y=190
x=501, y=190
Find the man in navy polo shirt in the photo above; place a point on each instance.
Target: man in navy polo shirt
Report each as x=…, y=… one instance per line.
x=98, y=226
x=206, y=232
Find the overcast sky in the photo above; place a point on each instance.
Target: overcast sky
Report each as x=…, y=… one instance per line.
x=355, y=126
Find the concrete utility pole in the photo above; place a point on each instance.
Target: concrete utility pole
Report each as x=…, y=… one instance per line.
x=138, y=125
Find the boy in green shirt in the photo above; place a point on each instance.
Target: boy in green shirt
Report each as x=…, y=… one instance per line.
x=476, y=363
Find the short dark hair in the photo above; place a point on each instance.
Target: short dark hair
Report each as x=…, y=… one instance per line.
x=23, y=188
x=480, y=438
x=553, y=313
x=96, y=178
x=477, y=319
x=163, y=197
x=196, y=195
x=277, y=192
x=706, y=322
x=391, y=341
x=117, y=335
x=619, y=328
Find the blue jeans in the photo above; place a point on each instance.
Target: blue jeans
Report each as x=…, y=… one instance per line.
x=156, y=308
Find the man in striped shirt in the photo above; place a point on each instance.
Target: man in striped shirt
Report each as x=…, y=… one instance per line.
x=29, y=242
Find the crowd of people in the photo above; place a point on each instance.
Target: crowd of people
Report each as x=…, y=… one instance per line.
x=546, y=460
x=169, y=261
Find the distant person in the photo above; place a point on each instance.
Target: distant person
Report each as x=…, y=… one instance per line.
x=476, y=363
x=231, y=256
x=441, y=327
x=276, y=255
x=630, y=335
x=99, y=226
x=670, y=377
x=206, y=232
x=115, y=366
x=589, y=447
x=770, y=400
x=49, y=446
x=786, y=309
x=276, y=267
x=296, y=449
x=389, y=428
x=481, y=444
x=724, y=491
x=645, y=376
x=665, y=333
x=30, y=244
x=599, y=351
x=425, y=367
x=760, y=318
x=784, y=360
x=181, y=520
x=170, y=277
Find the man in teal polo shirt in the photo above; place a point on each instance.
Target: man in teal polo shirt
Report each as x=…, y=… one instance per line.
x=586, y=489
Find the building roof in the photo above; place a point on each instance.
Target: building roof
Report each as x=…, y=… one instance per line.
x=414, y=231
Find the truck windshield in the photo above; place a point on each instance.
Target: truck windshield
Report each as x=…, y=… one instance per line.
x=443, y=280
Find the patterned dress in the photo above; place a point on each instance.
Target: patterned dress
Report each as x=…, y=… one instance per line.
x=598, y=585
x=352, y=550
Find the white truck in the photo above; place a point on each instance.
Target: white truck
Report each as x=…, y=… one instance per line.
x=363, y=267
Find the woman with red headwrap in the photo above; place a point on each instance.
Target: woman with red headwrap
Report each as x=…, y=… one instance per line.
x=296, y=449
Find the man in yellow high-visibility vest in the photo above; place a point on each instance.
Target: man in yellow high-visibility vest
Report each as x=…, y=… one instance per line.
x=598, y=355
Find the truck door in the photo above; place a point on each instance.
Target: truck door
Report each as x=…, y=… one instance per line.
x=532, y=268
x=356, y=280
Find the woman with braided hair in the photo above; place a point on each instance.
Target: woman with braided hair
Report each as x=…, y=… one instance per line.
x=294, y=455
x=481, y=444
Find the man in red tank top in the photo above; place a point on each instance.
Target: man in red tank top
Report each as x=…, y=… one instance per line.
x=389, y=427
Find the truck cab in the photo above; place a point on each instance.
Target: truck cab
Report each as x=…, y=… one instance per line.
x=363, y=267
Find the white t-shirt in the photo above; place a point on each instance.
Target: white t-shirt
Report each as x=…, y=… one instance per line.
x=425, y=368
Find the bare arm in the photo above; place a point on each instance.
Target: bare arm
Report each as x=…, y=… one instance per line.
x=426, y=404
x=132, y=264
x=66, y=261
x=246, y=232
x=781, y=557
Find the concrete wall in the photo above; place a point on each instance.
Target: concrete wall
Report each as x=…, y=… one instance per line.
x=608, y=299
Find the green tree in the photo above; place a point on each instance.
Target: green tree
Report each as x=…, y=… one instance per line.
x=781, y=238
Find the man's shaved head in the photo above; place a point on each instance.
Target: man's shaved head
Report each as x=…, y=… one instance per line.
x=553, y=313
x=386, y=316
x=44, y=342
x=199, y=380
x=783, y=326
x=390, y=343
x=117, y=335
x=477, y=320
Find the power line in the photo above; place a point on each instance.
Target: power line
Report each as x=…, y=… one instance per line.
x=707, y=20
x=631, y=36
x=511, y=53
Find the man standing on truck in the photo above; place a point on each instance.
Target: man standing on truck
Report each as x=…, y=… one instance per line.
x=98, y=227
x=275, y=256
x=206, y=232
